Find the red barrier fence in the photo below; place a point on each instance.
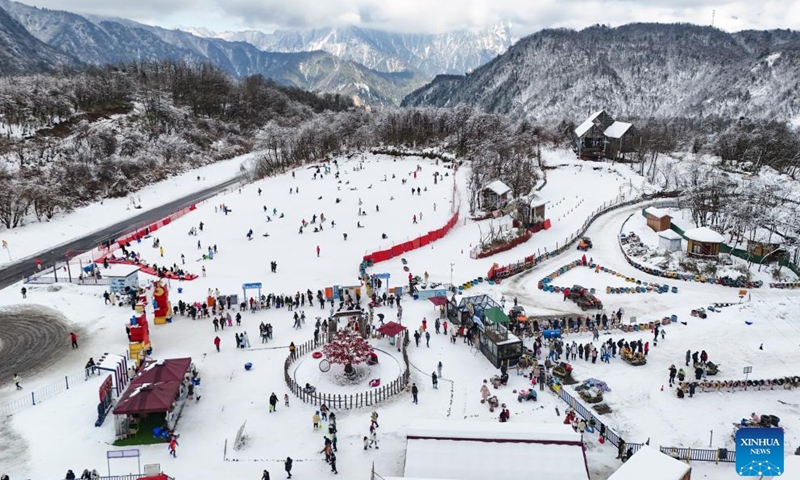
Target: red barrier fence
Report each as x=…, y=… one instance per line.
x=397, y=250
x=144, y=231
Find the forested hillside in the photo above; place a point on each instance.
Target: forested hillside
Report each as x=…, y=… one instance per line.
x=72, y=138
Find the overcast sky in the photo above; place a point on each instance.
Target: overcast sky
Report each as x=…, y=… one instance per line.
x=432, y=16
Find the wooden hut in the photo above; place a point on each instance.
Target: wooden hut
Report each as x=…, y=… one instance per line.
x=620, y=140
x=703, y=242
x=657, y=219
x=495, y=196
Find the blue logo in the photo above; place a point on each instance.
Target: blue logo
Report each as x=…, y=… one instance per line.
x=759, y=452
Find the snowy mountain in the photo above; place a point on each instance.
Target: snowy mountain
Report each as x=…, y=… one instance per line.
x=21, y=52
x=636, y=70
x=455, y=52
x=100, y=41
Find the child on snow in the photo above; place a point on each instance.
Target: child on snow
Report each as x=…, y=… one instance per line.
x=315, y=419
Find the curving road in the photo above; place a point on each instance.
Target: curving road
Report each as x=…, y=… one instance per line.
x=31, y=338
x=15, y=272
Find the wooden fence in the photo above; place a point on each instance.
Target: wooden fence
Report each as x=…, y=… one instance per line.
x=345, y=401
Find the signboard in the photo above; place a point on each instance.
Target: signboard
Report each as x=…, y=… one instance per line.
x=105, y=389
x=759, y=452
x=747, y=370
x=251, y=285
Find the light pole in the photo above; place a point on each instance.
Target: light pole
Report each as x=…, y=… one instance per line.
x=451, y=275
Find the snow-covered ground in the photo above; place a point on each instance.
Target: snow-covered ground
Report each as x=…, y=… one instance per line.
x=231, y=395
x=36, y=236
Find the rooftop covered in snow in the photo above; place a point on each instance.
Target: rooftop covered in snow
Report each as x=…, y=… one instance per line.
x=650, y=463
x=554, y=449
x=657, y=212
x=617, y=129
x=669, y=235
x=703, y=234
x=587, y=124
x=498, y=187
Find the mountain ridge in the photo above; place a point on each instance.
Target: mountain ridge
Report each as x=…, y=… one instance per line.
x=634, y=70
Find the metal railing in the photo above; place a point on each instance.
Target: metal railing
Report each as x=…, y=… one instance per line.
x=41, y=394
x=681, y=453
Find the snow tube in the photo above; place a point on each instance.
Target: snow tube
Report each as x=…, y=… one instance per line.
x=316, y=355
x=248, y=366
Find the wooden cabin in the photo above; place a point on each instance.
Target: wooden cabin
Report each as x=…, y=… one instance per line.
x=589, y=138
x=703, y=242
x=495, y=196
x=657, y=219
x=600, y=136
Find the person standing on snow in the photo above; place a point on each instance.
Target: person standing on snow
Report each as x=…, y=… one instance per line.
x=217, y=341
x=173, y=445
x=414, y=393
x=317, y=251
x=435, y=380
x=273, y=402
x=672, y=372
x=439, y=369
x=428, y=339
x=287, y=465
x=74, y=339
x=688, y=357
x=16, y=378
x=265, y=475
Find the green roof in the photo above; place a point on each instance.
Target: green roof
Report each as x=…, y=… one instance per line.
x=496, y=315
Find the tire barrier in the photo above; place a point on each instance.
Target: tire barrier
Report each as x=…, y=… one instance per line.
x=785, y=285
x=546, y=283
x=779, y=383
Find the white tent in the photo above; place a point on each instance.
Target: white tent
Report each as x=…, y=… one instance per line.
x=510, y=448
x=651, y=464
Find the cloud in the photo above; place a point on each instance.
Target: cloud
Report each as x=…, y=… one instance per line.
x=426, y=16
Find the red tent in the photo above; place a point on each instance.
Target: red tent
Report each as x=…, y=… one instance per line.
x=391, y=329
x=438, y=301
x=157, y=371
x=147, y=398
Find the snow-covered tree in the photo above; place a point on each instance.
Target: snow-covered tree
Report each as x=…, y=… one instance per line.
x=347, y=348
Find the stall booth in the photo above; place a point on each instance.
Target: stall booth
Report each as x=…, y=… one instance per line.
x=154, y=400
x=497, y=343
x=471, y=307
x=393, y=331
x=446, y=308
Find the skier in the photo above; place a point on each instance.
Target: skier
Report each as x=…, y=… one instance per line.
x=287, y=465
x=414, y=393
x=217, y=341
x=435, y=380
x=273, y=402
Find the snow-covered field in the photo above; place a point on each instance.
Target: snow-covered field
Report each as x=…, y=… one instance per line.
x=58, y=433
